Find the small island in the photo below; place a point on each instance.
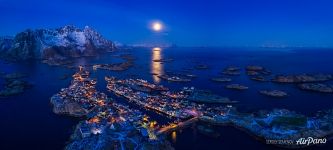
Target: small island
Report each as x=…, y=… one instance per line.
x=259, y=78
x=273, y=93
x=237, y=87
x=256, y=70
x=316, y=87
x=303, y=78
x=232, y=71
x=122, y=66
x=14, y=84
x=173, y=78
x=221, y=79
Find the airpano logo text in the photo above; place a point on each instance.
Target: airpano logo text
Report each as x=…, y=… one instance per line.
x=310, y=141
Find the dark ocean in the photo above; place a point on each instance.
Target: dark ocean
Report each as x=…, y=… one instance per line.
x=27, y=120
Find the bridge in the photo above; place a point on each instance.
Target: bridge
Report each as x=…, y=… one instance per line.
x=180, y=125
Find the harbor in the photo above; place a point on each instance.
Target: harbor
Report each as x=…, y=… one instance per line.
x=107, y=116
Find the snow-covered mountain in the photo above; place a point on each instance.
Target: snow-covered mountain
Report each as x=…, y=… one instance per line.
x=55, y=44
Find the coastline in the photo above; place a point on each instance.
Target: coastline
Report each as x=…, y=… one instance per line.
x=264, y=137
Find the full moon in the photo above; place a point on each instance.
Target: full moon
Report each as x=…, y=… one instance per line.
x=157, y=26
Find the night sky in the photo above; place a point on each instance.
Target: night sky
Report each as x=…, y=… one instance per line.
x=187, y=23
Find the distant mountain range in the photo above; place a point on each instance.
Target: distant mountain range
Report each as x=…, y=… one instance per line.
x=54, y=44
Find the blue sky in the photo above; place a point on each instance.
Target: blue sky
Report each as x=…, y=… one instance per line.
x=187, y=23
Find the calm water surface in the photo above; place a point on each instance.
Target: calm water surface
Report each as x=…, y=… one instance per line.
x=27, y=120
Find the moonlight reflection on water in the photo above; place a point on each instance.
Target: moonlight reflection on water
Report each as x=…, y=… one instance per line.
x=156, y=67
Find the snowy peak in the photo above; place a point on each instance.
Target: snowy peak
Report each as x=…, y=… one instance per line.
x=64, y=42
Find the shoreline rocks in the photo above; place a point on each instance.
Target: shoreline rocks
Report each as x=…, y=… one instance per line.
x=63, y=107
